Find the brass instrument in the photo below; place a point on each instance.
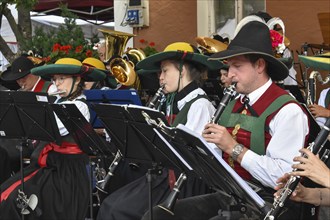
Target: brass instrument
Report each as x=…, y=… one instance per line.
x=311, y=92
x=135, y=55
x=122, y=70
x=316, y=146
x=210, y=45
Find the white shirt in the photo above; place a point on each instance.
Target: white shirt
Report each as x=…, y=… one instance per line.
x=321, y=102
x=83, y=108
x=200, y=111
x=288, y=129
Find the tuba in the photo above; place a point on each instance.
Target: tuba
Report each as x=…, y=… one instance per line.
x=121, y=69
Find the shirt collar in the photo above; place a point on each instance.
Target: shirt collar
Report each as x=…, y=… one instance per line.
x=35, y=85
x=256, y=94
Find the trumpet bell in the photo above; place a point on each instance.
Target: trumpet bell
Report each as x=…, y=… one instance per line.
x=211, y=45
x=123, y=71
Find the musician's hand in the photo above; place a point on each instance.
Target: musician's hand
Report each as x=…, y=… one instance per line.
x=319, y=111
x=100, y=131
x=312, y=167
x=220, y=136
x=297, y=195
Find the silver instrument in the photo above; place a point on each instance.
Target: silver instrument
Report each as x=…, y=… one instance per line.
x=101, y=184
x=311, y=92
x=316, y=146
x=169, y=203
x=58, y=92
x=157, y=98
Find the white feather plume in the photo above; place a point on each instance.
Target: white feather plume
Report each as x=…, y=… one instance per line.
x=246, y=20
x=274, y=21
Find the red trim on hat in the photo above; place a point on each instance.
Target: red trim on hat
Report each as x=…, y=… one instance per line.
x=184, y=55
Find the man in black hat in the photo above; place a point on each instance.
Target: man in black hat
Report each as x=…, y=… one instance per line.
x=259, y=132
x=21, y=72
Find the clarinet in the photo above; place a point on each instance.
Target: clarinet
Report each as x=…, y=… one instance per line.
x=230, y=92
x=156, y=100
x=169, y=203
x=100, y=185
x=316, y=146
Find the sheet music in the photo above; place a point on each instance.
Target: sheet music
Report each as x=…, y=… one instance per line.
x=213, y=149
x=173, y=150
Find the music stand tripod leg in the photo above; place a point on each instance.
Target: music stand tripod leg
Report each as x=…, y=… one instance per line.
x=155, y=170
x=22, y=198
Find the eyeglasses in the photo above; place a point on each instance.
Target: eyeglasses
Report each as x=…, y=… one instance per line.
x=60, y=79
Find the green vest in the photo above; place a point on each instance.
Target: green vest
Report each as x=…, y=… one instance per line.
x=255, y=125
x=181, y=117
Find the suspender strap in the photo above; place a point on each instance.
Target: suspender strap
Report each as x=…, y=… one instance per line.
x=181, y=117
x=46, y=86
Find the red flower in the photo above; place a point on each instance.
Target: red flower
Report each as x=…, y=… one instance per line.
x=89, y=53
x=56, y=47
x=79, y=49
x=142, y=41
x=276, y=38
x=152, y=44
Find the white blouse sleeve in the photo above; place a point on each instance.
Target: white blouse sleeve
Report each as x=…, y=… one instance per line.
x=83, y=108
x=288, y=129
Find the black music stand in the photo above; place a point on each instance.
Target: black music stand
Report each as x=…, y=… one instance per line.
x=27, y=115
x=130, y=132
x=216, y=172
x=96, y=96
x=136, y=139
x=81, y=130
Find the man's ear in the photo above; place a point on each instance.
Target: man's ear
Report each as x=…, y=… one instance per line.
x=261, y=65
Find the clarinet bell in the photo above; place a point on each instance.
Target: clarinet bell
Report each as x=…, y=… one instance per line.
x=30, y=205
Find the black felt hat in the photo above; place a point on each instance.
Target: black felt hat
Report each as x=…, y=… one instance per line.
x=254, y=38
x=20, y=67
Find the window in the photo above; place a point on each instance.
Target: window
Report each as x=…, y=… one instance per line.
x=221, y=16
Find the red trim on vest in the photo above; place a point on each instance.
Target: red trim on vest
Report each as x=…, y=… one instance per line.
x=170, y=118
x=40, y=86
x=7, y=192
x=243, y=137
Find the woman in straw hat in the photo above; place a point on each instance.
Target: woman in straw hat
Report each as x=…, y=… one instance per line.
x=258, y=133
x=59, y=178
x=108, y=83
x=181, y=68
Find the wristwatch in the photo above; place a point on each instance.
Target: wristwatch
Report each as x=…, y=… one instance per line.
x=237, y=150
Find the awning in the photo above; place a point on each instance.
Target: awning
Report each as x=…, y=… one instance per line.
x=98, y=10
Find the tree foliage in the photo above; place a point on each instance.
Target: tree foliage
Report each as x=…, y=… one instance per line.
x=51, y=44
